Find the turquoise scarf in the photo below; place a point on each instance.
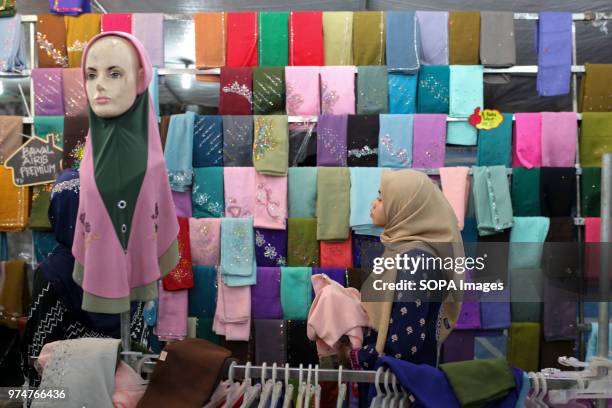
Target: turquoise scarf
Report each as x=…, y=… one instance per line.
x=493, y=205
x=207, y=199
x=296, y=292
x=495, y=145
x=302, y=192
x=237, y=252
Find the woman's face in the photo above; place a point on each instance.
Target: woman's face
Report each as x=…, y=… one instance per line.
x=112, y=72
x=377, y=213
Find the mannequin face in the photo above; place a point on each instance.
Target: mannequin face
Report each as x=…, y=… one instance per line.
x=112, y=74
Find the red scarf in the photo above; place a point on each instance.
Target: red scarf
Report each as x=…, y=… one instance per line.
x=181, y=277
x=241, y=39
x=306, y=38
x=336, y=254
x=236, y=91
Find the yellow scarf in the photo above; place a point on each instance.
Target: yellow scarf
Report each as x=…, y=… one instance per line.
x=79, y=30
x=14, y=203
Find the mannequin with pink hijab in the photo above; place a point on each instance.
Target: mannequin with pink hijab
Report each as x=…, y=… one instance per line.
x=126, y=233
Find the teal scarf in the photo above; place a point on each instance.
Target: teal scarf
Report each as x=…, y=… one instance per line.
x=207, y=196
x=493, y=205
x=296, y=292
x=302, y=192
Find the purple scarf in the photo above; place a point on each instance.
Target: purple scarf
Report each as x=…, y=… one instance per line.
x=270, y=247
x=336, y=274
x=49, y=91
x=429, y=140
x=265, y=295
x=70, y=7
x=331, y=140
x=554, y=48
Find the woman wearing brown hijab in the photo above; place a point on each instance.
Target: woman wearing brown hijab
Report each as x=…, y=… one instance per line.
x=419, y=223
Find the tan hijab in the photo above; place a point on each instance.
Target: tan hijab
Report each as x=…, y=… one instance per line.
x=418, y=216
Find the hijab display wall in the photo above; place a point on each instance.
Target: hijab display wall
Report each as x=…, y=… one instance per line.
x=383, y=109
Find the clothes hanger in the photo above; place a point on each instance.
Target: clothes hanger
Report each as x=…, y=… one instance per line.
x=317, y=388
x=301, y=388
x=309, y=391
x=375, y=401
x=266, y=390
x=396, y=391
x=388, y=394
x=288, y=388
x=543, y=391
x=341, y=389
x=252, y=391
x=276, y=389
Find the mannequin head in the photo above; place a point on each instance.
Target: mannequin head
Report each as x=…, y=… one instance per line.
x=113, y=73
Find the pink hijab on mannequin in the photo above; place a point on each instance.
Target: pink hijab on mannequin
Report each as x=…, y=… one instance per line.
x=109, y=271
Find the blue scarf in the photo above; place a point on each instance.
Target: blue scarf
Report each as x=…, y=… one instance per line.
x=403, y=42
x=179, y=151
x=402, y=93
x=365, y=182
x=11, y=51
x=395, y=141
x=237, y=252
x=208, y=141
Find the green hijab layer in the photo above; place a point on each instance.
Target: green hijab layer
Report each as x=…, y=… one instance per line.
x=120, y=149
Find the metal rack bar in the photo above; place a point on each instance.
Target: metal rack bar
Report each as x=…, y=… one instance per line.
x=355, y=376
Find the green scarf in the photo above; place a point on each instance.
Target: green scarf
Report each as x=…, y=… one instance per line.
x=524, y=346
x=368, y=38
x=273, y=39
x=466, y=379
x=296, y=292
x=302, y=244
x=372, y=90
x=44, y=125
x=595, y=137
x=495, y=145
x=120, y=152
x=39, y=215
x=269, y=91
x=333, y=200
x=590, y=191
x=526, y=191
x=338, y=37
x=271, y=144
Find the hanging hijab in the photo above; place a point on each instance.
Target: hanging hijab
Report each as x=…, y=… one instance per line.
x=127, y=220
x=417, y=217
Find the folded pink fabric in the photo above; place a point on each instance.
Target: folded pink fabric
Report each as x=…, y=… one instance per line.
x=527, y=150
x=302, y=89
x=205, y=238
x=559, y=134
x=239, y=186
x=270, y=202
x=335, y=311
x=456, y=186
x=117, y=22
x=171, y=314
x=429, y=140
x=129, y=387
x=233, y=313
x=75, y=99
x=338, y=90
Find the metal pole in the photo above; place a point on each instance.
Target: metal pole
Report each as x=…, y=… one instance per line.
x=125, y=321
x=604, y=276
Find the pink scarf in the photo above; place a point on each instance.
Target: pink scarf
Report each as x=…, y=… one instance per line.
x=233, y=314
x=129, y=387
x=75, y=98
x=338, y=90
x=117, y=22
x=592, y=253
x=559, y=134
x=149, y=29
x=456, y=186
x=239, y=186
x=205, y=237
x=335, y=311
x=270, y=202
x=109, y=271
x=172, y=314
x=527, y=150
x=302, y=87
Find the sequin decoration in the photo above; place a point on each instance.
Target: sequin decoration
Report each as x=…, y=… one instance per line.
x=294, y=99
x=272, y=87
x=436, y=89
x=329, y=97
x=399, y=154
x=264, y=139
x=332, y=146
x=77, y=46
x=52, y=52
x=204, y=200
x=363, y=152
x=180, y=178
x=76, y=154
x=238, y=89
x=270, y=250
x=234, y=210
x=68, y=185
x=264, y=197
